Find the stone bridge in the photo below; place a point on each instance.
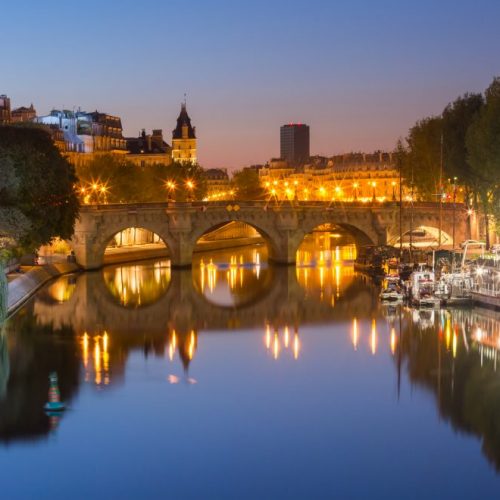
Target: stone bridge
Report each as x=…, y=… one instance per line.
x=283, y=225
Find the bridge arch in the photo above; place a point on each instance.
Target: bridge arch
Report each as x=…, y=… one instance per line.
x=90, y=249
x=268, y=234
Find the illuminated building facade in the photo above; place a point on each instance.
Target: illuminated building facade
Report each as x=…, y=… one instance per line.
x=149, y=149
x=351, y=177
x=218, y=184
x=87, y=133
x=184, y=139
x=294, y=143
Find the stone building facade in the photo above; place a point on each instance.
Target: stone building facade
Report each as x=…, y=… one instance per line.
x=184, y=139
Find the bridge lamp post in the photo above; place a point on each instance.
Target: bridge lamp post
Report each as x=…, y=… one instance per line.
x=104, y=191
x=190, y=187
x=374, y=185
x=355, y=186
x=170, y=189
x=393, y=190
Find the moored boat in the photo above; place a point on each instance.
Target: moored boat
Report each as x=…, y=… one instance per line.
x=422, y=289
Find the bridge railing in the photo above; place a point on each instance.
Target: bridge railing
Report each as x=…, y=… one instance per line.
x=421, y=205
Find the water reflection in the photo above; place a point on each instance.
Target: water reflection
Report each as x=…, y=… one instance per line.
x=138, y=285
x=279, y=344
x=232, y=278
x=89, y=329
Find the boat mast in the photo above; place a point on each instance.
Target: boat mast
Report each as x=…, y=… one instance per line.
x=440, y=191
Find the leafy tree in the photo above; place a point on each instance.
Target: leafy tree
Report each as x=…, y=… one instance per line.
x=247, y=184
x=37, y=197
x=183, y=177
x=457, y=118
x=423, y=159
x=114, y=179
x=483, y=145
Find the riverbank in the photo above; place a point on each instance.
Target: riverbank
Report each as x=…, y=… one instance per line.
x=24, y=286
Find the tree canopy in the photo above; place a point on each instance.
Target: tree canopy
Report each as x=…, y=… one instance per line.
x=112, y=179
x=37, y=197
x=247, y=184
x=483, y=146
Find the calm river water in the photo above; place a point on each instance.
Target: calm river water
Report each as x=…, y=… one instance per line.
x=240, y=380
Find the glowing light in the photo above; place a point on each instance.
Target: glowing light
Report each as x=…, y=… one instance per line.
x=276, y=345
x=393, y=340
x=373, y=337
x=97, y=362
x=190, y=352
x=85, y=345
x=447, y=333
x=268, y=337
x=355, y=334
x=296, y=346
x=286, y=337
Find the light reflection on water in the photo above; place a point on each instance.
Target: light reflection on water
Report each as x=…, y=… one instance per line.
x=238, y=365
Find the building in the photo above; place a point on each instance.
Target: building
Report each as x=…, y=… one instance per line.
x=184, y=139
x=218, y=184
x=87, y=134
x=149, y=149
x=5, y=114
x=294, y=143
x=350, y=177
x=23, y=114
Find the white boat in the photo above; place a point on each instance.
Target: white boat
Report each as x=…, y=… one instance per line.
x=456, y=288
x=423, y=288
x=392, y=291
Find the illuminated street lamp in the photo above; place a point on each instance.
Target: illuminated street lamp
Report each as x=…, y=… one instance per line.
x=190, y=187
x=393, y=190
x=355, y=186
x=170, y=188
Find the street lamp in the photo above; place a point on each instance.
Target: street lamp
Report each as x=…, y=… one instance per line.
x=190, y=187
x=170, y=188
x=355, y=186
x=393, y=190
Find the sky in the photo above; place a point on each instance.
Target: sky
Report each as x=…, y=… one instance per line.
x=358, y=72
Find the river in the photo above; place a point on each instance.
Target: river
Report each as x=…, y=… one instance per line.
x=242, y=380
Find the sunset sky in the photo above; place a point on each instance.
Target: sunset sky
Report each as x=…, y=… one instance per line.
x=360, y=73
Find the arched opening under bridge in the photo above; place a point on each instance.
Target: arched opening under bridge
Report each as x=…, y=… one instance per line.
x=132, y=244
x=325, y=260
x=230, y=263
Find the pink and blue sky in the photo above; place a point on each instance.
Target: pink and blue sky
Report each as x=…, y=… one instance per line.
x=359, y=72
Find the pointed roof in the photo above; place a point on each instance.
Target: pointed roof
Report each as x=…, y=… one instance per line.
x=181, y=121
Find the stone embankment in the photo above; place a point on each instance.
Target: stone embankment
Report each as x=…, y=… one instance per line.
x=24, y=286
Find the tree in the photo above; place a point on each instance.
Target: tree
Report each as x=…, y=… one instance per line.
x=114, y=179
x=37, y=197
x=188, y=182
x=247, y=184
x=457, y=118
x=423, y=160
x=483, y=146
